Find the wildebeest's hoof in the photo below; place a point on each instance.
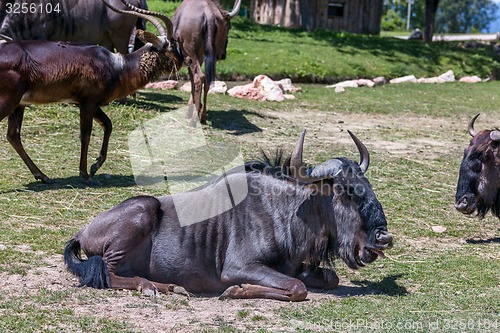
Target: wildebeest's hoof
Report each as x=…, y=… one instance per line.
x=227, y=293
x=181, y=291
x=150, y=293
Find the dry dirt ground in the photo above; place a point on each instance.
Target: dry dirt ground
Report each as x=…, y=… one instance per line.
x=175, y=313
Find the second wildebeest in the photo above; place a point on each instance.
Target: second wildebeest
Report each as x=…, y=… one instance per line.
x=280, y=239
x=201, y=28
x=478, y=187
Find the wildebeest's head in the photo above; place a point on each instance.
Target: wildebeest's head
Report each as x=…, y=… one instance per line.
x=222, y=28
x=478, y=186
x=357, y=225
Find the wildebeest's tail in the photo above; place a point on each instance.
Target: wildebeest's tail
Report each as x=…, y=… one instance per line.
x=92, y=272
x=210, y=55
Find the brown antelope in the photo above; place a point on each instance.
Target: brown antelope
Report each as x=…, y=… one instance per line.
x=202, y=28
x=40, y=72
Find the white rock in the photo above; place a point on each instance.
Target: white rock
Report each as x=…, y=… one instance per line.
x=379, y=80
x=470, y=79
x=345, y=84
x=287, y=85
x=431, y=80
x=404, y=79
x=264, y=89
x=186, y=87
x=218, y=87
x=449, y=76
x=365, y=82
x=273, y=91
x=162, y=85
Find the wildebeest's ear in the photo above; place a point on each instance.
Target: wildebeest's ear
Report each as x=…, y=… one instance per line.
x=328, y=169
x=148, y=37
x=495, y=135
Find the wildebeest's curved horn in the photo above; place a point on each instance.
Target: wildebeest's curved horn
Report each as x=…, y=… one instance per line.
x=147, y=15
x=472, y=132
x=296, y=164
x=236, y=9
x=325, y=170
x=364, y=156
x=495, y=135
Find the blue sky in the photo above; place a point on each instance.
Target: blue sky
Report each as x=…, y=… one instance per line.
x=495, y=25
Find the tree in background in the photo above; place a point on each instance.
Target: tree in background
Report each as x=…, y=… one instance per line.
x=465, y=16
x=431, y=7
x=443, y=16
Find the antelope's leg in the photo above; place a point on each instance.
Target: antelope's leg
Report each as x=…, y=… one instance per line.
x=107, y=126
x=260, y=281
x=14, y=138
x=87, y=112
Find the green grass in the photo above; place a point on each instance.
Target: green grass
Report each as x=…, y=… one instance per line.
x=327, y=56
x=429, y=278
x=443, y=282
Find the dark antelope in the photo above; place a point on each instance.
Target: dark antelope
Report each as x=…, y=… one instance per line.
x=478, y=186
x=277, y=241
x=202, y=28
x=86, y=21
x=39, y=72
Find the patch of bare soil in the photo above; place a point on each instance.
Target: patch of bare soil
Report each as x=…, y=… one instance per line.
x=425, y=136
x=166, y=313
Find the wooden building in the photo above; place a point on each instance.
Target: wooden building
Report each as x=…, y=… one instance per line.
x=356, y=16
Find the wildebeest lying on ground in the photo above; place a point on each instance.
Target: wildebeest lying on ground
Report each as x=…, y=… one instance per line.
x=279, y=239
x=478, y=186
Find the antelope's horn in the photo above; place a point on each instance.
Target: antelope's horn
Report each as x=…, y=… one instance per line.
x=236, y=9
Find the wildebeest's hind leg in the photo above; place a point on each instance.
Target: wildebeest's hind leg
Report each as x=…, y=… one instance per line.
x=117, y=244
x=320, y=278
x=260, y=281
x=145, y=286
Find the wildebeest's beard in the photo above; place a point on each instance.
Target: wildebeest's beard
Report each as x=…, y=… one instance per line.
x=360, y=224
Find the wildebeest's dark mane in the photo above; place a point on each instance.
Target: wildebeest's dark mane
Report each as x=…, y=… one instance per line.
x=276, y=164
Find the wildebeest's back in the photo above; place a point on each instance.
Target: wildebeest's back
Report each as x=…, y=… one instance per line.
x=257, y=230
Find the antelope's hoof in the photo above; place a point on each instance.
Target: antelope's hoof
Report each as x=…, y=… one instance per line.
x=46, y=180
x=95, y=167
x=92, y=183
